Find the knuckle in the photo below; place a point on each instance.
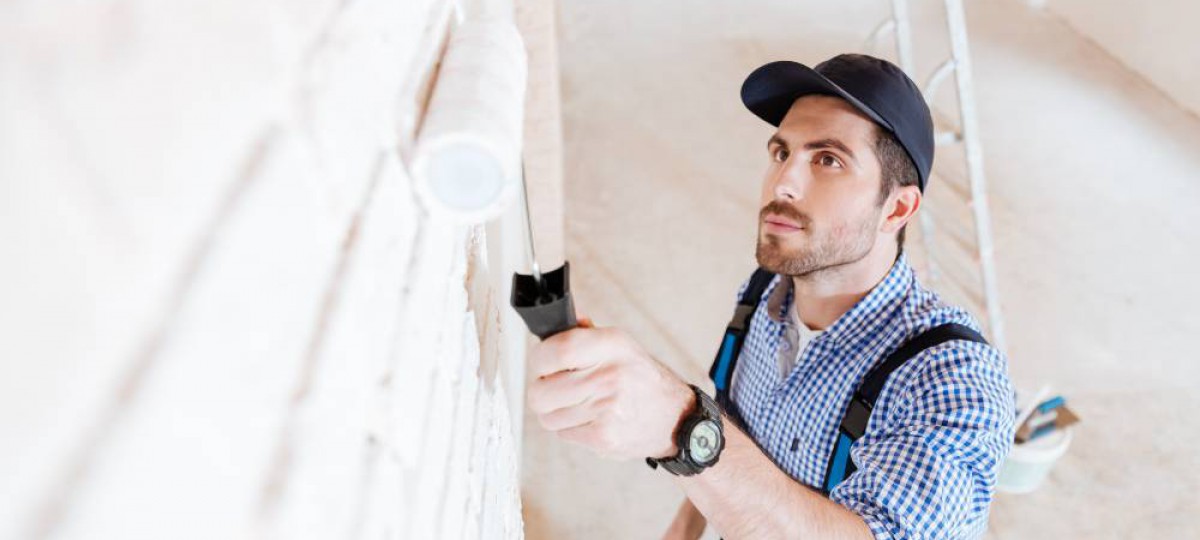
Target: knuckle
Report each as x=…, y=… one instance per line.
x=607, y=380
x=617, y=380
x=548, y=421
x=601, y=405
x=564, y=345
x=570, y=342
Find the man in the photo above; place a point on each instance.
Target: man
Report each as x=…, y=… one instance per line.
x=847, y=169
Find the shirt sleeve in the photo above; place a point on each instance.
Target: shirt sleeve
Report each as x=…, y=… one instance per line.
x=928, y=469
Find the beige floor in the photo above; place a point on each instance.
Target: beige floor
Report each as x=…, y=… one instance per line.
x=1094, y=175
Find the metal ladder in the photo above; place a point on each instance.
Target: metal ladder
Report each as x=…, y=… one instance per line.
x=966, y=133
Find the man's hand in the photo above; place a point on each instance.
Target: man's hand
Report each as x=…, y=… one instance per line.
x=597, y=387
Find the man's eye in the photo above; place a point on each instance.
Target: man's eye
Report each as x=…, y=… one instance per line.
x=780, y=154
x=828, y=160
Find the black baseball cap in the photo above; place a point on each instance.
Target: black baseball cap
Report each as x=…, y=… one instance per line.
x=876, y=87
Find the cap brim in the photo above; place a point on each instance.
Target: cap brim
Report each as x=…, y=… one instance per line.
x=770, y=90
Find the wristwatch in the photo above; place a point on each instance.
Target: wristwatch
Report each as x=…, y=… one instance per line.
x=700, y=438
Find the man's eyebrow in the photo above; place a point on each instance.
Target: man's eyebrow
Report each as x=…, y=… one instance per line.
x=776, y=139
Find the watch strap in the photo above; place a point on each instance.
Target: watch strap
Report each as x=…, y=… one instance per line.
x=680, y=464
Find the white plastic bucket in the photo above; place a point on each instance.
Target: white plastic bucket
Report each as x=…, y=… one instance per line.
x=1028, y=464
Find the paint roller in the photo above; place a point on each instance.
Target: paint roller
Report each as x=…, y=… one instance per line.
x=467, y=162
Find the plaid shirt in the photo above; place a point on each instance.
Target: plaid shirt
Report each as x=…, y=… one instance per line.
x=939, y=431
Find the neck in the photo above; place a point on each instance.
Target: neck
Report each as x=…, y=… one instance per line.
x=823, y=296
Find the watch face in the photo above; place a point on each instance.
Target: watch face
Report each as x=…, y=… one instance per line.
x=704, y=442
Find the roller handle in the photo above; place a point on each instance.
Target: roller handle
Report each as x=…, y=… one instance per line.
x=546, y=308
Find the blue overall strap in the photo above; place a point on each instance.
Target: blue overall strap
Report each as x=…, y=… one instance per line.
x=858, y=412
x=735, y=334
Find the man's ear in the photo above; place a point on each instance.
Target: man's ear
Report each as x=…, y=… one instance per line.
x=902, y=205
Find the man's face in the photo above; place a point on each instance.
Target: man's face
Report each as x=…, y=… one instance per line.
x=820, y=196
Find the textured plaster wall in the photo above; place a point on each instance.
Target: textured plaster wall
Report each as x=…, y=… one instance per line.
x=222, y=314
x=1155, y=39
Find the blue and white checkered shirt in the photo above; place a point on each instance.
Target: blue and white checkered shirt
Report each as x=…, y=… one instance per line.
x=939, y=431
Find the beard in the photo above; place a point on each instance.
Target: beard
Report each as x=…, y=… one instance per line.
x=813, y=250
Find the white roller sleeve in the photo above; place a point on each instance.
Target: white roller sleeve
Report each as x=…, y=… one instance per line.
x=467, y=161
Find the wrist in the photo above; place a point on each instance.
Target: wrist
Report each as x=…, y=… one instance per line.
x=685, y=400
x=699, y=438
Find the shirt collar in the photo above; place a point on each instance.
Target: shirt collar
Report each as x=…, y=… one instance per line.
x=865, y=316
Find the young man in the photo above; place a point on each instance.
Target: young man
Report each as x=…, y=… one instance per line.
x=847, y=169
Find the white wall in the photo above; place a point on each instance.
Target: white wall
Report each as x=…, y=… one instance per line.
x=1155, y=39
x=222, y=314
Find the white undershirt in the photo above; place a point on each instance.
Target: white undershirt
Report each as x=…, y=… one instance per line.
x=798, y=335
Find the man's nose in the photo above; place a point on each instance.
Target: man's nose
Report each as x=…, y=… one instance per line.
x=791, y=180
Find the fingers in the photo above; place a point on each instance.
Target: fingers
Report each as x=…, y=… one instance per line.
x=574, y=416
x=598, y=388
x=589, y=435
x=578, y=407
x=557, y=391
x=567, y=389
x=575, y=349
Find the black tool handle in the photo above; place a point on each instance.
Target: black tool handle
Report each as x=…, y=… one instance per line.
x=547, y=309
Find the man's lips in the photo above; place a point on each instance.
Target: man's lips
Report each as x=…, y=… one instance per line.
x=779, y=224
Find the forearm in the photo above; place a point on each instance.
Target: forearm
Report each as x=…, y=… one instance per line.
x=746, y=496
x=689, y=523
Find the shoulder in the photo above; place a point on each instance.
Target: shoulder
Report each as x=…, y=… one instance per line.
x=925, y=310
x=959, y=374
x=956, y=373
